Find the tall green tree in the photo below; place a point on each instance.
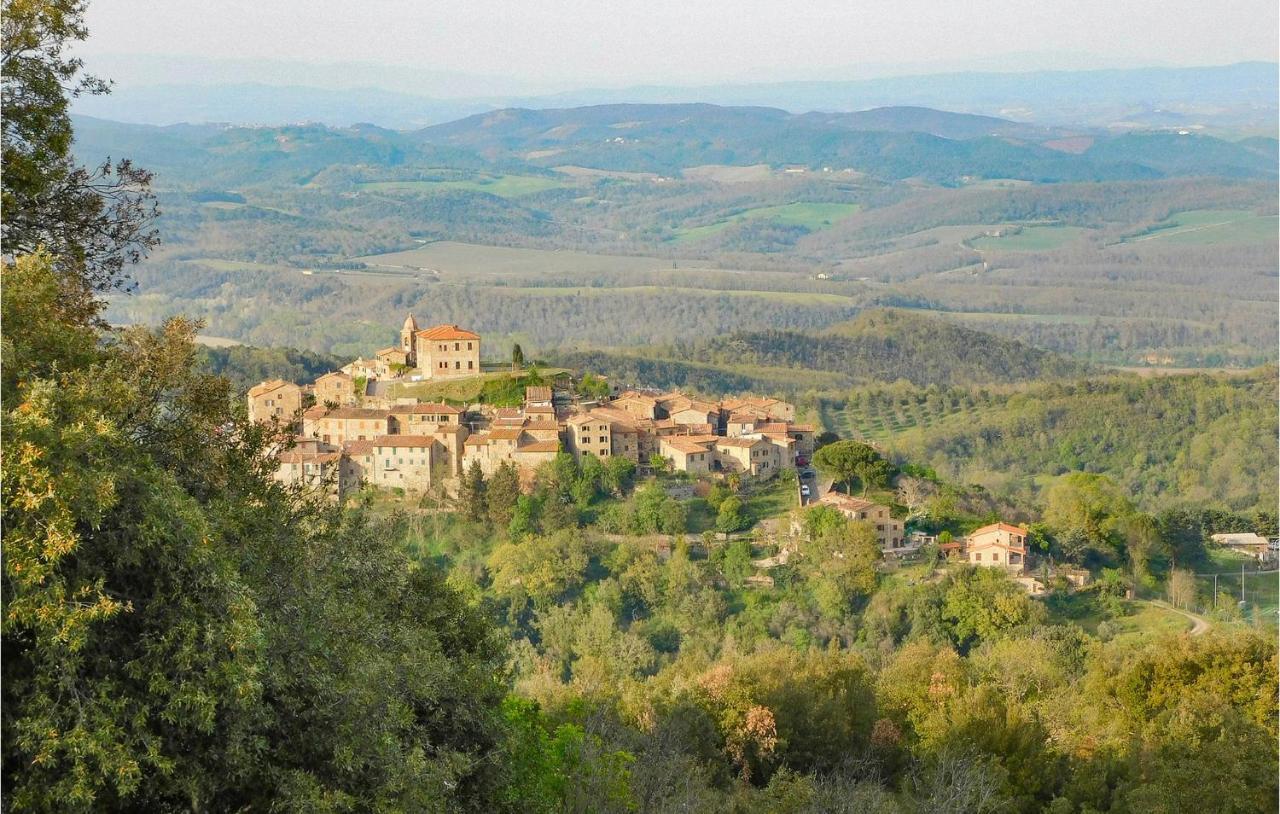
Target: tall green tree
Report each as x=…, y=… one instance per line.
x=94, y=221
x=503, y=491
x=471, y=494
x=850, y=461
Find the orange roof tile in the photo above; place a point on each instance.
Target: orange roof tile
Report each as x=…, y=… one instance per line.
x=269, y=385
x=446, y=332
x=999, y=527
x=540, y=446
x=425, y=408
x=403, y=441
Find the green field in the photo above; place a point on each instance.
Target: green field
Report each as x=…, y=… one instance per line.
x=465, y=262
x=1206, y=227
x=504, y=186
x=792, y=297
x=812, y=216
x=1030, y=239
x=460, y=391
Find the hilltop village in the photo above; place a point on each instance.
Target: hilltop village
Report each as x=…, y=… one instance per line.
x=348, y=430
x=347, y=423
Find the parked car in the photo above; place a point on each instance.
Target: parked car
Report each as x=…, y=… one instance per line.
x=806, y=474
x=804, y=489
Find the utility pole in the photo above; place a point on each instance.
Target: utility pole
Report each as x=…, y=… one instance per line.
x=1215, y=591
x=1242, y=581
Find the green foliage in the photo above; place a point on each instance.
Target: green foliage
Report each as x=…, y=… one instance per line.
x=95, y=222
x=850, y=461
x=245, y=366
x=1164, y=441
x=729, y=517
x=229, y=643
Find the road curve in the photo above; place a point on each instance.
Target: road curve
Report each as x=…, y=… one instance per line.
x=1201, y=625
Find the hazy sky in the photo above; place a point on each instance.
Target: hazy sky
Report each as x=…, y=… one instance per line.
x=690, y=41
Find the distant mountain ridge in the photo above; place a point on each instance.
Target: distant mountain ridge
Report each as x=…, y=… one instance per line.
x=888, y=144
x=1242, y=95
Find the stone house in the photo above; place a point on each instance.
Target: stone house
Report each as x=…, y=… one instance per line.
x=999, y=545
x=638, y=405
x=336, y=427
x=686, y=454
x=589, y=434
x=312, y=470
x=447, y=351
x=274, y=400
x=406, y=462
x=888, y=530
x=337, y=388
x=754, y=457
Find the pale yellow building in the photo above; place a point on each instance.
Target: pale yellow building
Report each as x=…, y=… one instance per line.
x=999, y=545
x=275, y=401
x=589, y=434
x=335, y=388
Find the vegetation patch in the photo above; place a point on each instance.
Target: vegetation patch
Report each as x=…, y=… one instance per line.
x=809, y=215
x=1206, y=227
x=504, y=186
x=1037, y=238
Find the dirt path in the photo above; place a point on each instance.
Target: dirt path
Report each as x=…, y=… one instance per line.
x=1200, y=626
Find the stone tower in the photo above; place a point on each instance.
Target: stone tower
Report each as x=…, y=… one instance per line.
x=407, y=331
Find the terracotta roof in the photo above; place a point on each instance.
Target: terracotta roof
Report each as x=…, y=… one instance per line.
x=543, y=409
x=743, y=443
x=737, y=418
x=331, y=374
x=447, y=332
x=268, y=386
x=540, y=446
x=403, y=441
x=426, y=408
x=387, y=351
x=354, y=412
x=449, y=428
x=773, y=426
x=803, y=427
x=505, y=434
x=999, y=527
x=537, y=394
x=315, y=412
x=586, y=418
x=293, y=456
x=476, y=440
x=683, y=444
x=615, y=416
x=541, y=425
x=358, y=447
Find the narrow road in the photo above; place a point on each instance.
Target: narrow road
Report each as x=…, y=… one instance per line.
x=1201, y=625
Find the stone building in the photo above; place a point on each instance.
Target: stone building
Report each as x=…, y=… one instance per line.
x=275, y=400
x=447, y=351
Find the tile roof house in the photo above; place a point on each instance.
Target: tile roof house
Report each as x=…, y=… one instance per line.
x=274, y=400
x=447, y=351
x=998, y=545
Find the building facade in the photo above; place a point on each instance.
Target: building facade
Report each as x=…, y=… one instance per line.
x=447, y=351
